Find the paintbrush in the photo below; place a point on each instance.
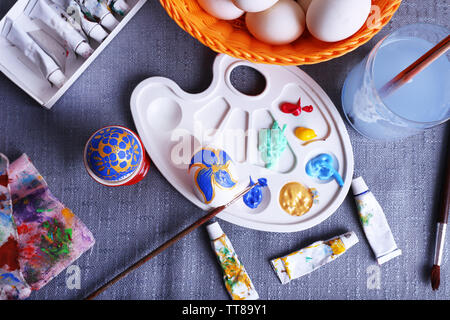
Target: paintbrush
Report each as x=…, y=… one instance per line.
x=417, y=66
x=167, y=244
x=441, y=225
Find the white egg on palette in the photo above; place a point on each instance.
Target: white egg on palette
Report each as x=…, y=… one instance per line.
x=281, y=24
x=336, y=20
x=221, y=9
x=214, y=176
x=254, y=5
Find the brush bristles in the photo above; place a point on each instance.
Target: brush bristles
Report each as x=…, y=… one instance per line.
x=435, y=277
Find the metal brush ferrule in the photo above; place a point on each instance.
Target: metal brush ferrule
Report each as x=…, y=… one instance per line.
x=440, y=241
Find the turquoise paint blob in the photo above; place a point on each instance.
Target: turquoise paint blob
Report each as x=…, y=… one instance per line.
x=322, y=168
x=254, y=197
x=272, y=143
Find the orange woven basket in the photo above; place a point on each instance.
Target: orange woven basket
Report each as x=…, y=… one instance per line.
x=232, y=37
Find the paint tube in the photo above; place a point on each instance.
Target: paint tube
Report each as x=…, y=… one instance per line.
x=306, y=260
x=100, y=12
x=56, y=21
x=21, y=40
x=118, y=6
x=237, y=281
x=89, y=26
x=51, y=46
x=374, y=223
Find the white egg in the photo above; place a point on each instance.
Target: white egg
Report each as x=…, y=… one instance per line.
x=335, y=20
x=280, y=24
x=221, y=9
x=254, y=5
x=214, y=176
x=304, y=4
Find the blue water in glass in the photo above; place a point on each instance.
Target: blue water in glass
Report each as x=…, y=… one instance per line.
x=417, y=105
x=422, y=98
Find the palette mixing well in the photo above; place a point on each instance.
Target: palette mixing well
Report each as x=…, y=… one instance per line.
x=174, y=124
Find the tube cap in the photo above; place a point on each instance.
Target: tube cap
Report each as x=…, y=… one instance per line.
x=389, y=256
x=359, y=186
x=98, y=33
x=121, y=6
x=57, y=78
x=214, y=231
x=349, y=239
x=84, y=50
x=109, y=22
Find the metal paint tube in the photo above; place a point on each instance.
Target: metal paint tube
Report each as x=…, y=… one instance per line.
x=55, y=20
x=100, y=12
x=306, y=260
x=237, y=281
x=90, y=27
x=374, y=223
x=21, y=40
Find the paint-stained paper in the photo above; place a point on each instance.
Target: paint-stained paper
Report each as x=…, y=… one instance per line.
x=12, y=282
x=50, y=236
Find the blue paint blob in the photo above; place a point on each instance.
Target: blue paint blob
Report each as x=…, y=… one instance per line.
x=254, y=197
x=322, y=168
x=262, y=182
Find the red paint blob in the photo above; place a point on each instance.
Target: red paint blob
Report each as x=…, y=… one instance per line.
x=295, y=109
x=9, y=254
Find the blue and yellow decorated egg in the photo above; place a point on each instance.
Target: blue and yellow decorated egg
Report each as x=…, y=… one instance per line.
x=214, y=176
x=113, y=154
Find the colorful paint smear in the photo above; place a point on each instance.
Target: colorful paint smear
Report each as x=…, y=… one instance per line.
x=12, y=282
x=50, y=236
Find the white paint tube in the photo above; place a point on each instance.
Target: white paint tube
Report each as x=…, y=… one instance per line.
x=312, y=257
x=56, y=21
x=89, y=26
x=100, y=12
x=51, y=46
x=374, y=223
x=118, y=6
x=21, y=40
x=237, y=281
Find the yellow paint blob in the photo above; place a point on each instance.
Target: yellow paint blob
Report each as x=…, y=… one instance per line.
x=305, y=134
x=296, y=199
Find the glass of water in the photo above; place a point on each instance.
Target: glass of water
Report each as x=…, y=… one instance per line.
x=419, y=104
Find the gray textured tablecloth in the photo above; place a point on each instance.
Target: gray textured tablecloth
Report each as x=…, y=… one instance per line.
x=129, y=222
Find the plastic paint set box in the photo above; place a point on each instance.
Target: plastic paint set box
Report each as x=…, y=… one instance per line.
x=27, y=76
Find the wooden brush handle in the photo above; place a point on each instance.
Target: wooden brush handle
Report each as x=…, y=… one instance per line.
x=157, y=251
x=445, y=200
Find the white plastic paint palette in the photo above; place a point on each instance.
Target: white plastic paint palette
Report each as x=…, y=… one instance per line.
x=174, y=124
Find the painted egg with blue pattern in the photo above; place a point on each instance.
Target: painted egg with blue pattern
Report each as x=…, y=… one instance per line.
x=214, y=176
x=113, y=154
